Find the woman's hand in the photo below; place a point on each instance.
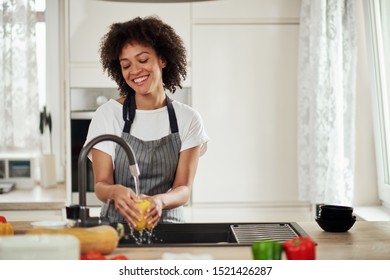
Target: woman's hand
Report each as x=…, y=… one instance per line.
x=125, y=203
x=154, y=212
x=125, y=199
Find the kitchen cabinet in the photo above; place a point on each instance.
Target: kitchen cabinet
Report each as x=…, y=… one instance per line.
x=245, y=11
x=245, y=87
x=89, y=20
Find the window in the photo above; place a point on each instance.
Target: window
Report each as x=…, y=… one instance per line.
x=378, y=34
x=19, y=84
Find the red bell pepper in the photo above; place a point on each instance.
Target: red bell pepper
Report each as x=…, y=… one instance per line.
x=95, y=255
x=300, y=248
x=119, y=257
x=92, y=255
x=3, y=219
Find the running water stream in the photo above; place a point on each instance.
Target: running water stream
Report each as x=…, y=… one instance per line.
x=137, y=187
x=144, y=236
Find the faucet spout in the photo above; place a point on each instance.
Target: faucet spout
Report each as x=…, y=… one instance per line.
x=84, y=218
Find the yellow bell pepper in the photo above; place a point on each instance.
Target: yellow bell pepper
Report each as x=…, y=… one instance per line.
x=141, y=225
x=6, y=229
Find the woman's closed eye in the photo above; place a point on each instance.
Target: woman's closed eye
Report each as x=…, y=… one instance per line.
x=125, y=66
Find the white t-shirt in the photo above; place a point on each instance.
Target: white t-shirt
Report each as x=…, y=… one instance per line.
x=147, y=125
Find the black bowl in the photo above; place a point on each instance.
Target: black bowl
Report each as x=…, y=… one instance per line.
x=335, y=216
x=335, y=212
x=336, y=225
x=333, y=209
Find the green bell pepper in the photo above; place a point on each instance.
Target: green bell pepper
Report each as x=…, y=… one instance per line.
x=267, y=250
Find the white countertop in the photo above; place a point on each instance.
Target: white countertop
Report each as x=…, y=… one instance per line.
x=34, y=198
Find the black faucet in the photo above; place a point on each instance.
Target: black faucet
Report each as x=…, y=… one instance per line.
x=81, y=212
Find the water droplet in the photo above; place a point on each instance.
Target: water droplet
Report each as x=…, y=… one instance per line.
x=145, y=236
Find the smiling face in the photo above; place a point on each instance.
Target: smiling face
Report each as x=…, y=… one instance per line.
x=142, y=69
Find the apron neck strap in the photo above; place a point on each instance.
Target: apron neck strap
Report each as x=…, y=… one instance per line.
x=128, y=111
x=172, y=115
x=129, y=108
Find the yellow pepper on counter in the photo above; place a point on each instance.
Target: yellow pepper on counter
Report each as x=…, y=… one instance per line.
x=6, y=229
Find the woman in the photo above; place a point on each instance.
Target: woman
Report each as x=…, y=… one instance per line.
x=145, y=57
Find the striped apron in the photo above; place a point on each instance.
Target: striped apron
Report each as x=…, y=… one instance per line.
x=157, y=161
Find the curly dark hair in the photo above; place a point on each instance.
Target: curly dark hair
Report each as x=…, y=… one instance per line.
x=152, y=32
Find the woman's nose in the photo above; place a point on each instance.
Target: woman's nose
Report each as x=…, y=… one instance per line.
x=134, y=70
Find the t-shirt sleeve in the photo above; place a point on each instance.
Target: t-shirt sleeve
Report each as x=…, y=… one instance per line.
x=195, y=134
x=100, y=125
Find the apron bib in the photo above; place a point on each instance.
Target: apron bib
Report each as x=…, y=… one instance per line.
x=157, y=161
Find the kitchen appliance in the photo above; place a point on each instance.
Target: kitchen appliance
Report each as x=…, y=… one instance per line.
x=17, y=170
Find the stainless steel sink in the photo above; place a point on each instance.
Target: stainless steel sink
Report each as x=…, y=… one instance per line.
x=211, y=234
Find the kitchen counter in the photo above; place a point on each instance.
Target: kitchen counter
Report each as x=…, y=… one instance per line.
x=36, y=198
x=365, y=241
x=35, y=204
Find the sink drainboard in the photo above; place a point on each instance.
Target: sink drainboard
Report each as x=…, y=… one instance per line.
x=249, y=233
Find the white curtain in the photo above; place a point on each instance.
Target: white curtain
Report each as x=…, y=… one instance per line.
x=326, y=101
x=19, y=98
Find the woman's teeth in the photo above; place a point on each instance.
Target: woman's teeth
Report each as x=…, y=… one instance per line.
x=141, y=79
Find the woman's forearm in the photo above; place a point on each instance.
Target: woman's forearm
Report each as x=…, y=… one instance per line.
x=175, y=197
x=105, y=191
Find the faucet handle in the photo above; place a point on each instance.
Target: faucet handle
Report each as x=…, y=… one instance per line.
x=73, y=212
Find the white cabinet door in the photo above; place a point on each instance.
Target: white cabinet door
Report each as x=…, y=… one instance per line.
x=245, y=10
x=89, y=21
x=245, y=88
